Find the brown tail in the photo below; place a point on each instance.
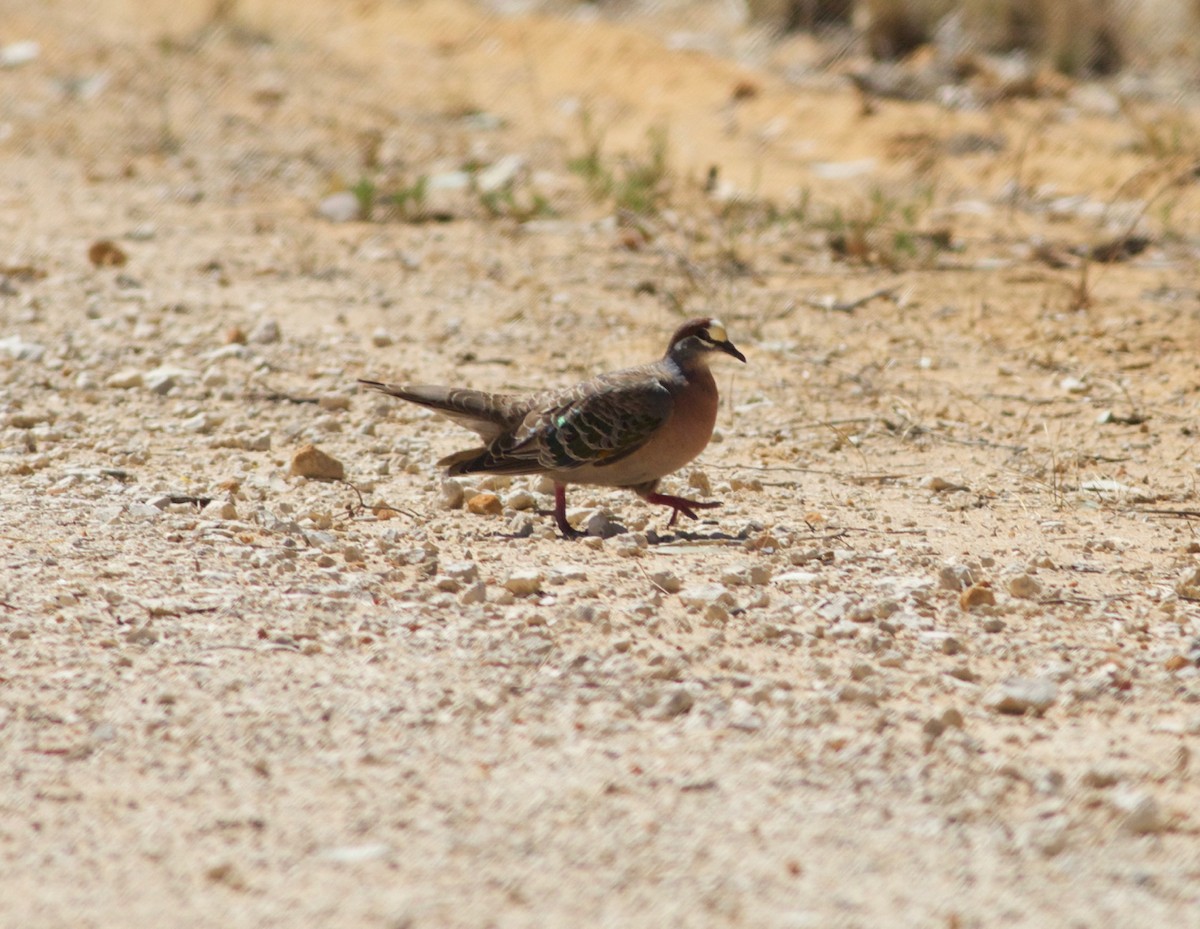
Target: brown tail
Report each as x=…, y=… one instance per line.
x=486, y=414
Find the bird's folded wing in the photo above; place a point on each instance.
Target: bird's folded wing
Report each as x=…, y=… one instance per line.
x=597, y=427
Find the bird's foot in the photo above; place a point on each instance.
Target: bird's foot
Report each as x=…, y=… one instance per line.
x=681, y=505
x=560, y=514
x=568, y=531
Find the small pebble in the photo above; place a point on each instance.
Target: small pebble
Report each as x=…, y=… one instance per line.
x=977, y=595
x=141, y=635
x=355, y=854
x=601, y=525
x=106, y=254
x=200, y=424
x=857, y=693
x=520, y=500
x=1188, y=585
x=702, y=596
x=567, y=573
x=333, y=402
x=125, y=379
x=955, y=577
x=485, y=504
x=265, y=333
x=630, y=545
x=1024, y=586
x=1049, y=836
x=27, y=420
x=15, y=54
x=667, y=581
x=465, y=571
x=500, y=174
x=1019, y=695
x=939, y=484
x=523, y=582
x=801, y=578
x=316, y=465
x=750, y=576
x=163, y=379
x=20, y=350
x=522, y=526
x=674, y=703
x=1141, y=814
x=451, y=495
x=342, y=207
x=475, y=593
x=1100, y=776
x=587, y=613
x=221, y=509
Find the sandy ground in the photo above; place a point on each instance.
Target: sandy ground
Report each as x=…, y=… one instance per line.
x=934, y=662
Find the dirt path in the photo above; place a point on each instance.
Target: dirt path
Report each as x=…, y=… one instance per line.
x=934, y=662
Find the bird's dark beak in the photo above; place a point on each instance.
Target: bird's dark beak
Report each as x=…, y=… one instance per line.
x=730, y=349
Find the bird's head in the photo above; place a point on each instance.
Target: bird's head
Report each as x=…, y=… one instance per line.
x=697, y=339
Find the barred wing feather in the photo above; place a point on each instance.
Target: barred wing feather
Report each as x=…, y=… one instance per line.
x=598, y=426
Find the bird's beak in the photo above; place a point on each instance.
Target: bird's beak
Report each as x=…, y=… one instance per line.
x=730, y=349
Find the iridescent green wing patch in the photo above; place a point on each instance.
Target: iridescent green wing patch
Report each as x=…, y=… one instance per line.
x=597, y=429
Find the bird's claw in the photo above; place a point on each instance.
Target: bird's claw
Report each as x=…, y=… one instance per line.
x=568, y=531
x=681, y=505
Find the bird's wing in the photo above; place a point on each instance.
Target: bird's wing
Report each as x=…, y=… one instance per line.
x=597, y=423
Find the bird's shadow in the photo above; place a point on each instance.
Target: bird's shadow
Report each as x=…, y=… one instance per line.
x=653, y=536
x=683, y=535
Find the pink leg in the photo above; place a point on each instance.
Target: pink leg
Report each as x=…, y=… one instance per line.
x=680, y=505
x=560, y=513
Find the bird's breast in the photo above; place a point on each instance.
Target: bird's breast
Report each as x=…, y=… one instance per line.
x=689, y=427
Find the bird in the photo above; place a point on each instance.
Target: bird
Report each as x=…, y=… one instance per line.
x=625, y=429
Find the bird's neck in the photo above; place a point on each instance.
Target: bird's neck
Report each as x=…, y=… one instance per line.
x=694, y=368
x=689, y=365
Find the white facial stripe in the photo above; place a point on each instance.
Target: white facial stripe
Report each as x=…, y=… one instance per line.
x=716, y=331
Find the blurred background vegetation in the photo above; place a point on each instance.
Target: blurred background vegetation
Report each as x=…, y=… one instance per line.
x=1076, y=37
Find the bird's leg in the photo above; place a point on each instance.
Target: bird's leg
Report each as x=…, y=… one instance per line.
x=560, y=513
x=680, y=505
